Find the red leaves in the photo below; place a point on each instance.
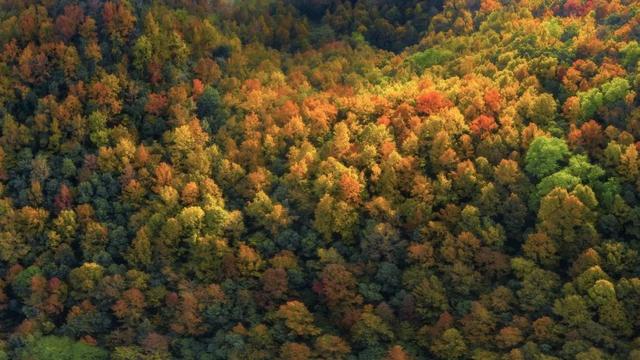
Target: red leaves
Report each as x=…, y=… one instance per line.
x=64, y=198
x=592, y=133
x=198, y=88
x=68, y=23
x=320, y=113
x=578, y=7
x=487, y=6
x=274, y=282
x=188, y=320
x=172, y=299
x=118, y=19
x=432, y=102
x=337, y=286
x=156, y=104
x=482, y=125
x=589, y=136
x=33, y=64
x=384, y=120
x=130, y=306
x=163, y=174
x=155, y=342
x=106, y=93
x=397, y=353
x=155, y=73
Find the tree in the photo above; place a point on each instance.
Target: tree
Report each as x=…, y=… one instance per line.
x=542, y=110
x=478, y=325
x=450, y=345
x=298, y=319
x=119, y=21
x=629, y=168
x=295, y=351
x=573, y=309
x=537, y=285
x=85, y=279
x=567, y=220
x=98, y=131
x=431, y=102
x=140, y=253
x=431, y=299
x=397, y=353
x=273, y=217
x=483, y=125
x=590, y=102
x=187, y=319
x=129, y=309
x=337, y=287
x=331, y=347
x=335, y=217
x=545, y=155
x=64, y=199
x=370, y=330
x=509, y=337
x=540, y=248
x=559, y=180
x=191, y=219
x=274, y=283
x=13, y=247
x=156, y=104
x=68, y=23
x=61, y=348
x=493, y=99
x=211, y=110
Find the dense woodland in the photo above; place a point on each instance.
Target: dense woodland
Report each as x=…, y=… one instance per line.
x=324, y=179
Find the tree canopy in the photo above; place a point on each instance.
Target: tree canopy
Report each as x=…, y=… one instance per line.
x=319, y=180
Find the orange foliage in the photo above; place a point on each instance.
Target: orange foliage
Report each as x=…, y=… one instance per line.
x=156, y=104
x=119, y=20
x=69, y=22
x=431, y=102
x=492, y=100
x=482, y=125
x=64, y=198
x=349, y=188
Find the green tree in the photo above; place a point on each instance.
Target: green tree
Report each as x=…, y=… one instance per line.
x=545, y=155
x=298, y=319
x=61, y=348
x=450, y=345
x=211, y=110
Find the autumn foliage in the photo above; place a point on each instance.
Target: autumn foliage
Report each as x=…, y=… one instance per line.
x=319, y=180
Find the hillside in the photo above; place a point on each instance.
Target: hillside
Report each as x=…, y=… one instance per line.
x=324, y=179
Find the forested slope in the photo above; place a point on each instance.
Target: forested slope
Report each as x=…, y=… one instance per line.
x=326, y=179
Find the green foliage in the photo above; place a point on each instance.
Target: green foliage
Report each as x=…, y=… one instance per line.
x=431, y=57
x=99, y=133
x=590, y=102
x=615, y=90
x=211, y=109
x=561, y=179
x=610, y=93
x=61, y=348
x=142, y=52
x=580, y=166
x=631, y=54
x=450, y=345
x=545, y=155
x=320, y=179
x=573, y=310
x=22, y=283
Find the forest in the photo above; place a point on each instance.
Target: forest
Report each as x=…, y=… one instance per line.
x=319, y=179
